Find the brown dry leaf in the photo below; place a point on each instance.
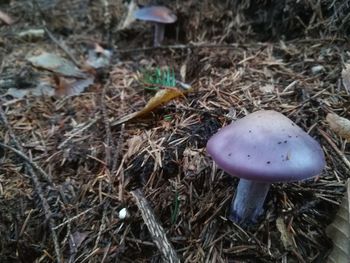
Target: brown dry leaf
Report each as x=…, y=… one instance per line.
x=286, y=236
x=345, y=75
x=70, y=87
x=134, y=145
x=339, y=125
x=161, y=97
x=339, y=231
x=194, y=162
x=6, y=18
x=56, y=64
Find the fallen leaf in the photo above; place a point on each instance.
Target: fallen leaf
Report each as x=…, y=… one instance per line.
x=70, y=87
x=6, y=18
x=345, y=75
x=339, y=125
x=99, y=57
x=286, y=236
x=134, y=145
x=62, y=87
x=193, y=162
x=339, y=231
x=57, y=65
x=161, y=97
x=43, y=89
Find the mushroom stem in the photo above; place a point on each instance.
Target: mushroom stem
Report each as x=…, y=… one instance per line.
x=247, y=204
x=158, y=34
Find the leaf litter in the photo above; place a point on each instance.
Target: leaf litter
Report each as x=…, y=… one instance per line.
x=94, y=172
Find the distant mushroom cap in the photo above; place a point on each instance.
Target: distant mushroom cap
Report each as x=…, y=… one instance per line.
x=159, y=14
x=266, y=146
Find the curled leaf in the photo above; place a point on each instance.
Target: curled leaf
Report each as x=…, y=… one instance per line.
x=56, y=64
x=339, y=125
x=161, y=97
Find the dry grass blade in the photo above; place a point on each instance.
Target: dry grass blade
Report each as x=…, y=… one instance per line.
x=339, y=231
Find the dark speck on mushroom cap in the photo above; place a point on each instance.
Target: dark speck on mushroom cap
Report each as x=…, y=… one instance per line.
x=160, y=14
x=266, y=146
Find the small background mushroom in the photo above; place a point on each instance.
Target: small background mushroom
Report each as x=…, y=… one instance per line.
x=159, y=16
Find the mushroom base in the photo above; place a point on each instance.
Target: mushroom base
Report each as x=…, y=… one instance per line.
x=247, y=204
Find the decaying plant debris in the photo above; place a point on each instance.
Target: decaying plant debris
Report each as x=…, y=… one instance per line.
x=66, y=172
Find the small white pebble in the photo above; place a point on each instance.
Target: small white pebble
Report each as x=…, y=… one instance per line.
x=123, y=213
x=317, y=69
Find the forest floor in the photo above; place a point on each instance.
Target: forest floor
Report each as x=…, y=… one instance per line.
x=68, y=166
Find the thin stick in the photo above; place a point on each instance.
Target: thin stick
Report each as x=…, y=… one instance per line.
x=28, y=161
x=36, y=182
x=335, y=148
x=215, y=46
x=63, y=47
x=74, y=218
x=77, y=132
x=157, y=232
x=109, y=147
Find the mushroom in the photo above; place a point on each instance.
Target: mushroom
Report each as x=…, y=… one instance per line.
x=263, y=148
x=159, y=15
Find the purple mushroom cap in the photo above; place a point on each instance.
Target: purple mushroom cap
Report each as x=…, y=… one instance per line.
x=159, y=14
x=266, y=146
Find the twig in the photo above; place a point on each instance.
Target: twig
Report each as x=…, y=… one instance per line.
x=77, y=132
x=157, y=232
x=110, y=147
x=107, y=17
x=20, y=151
x=188, y=46
x=102, y=226
x=216, y=46
x=335, y=148
x=36, y=182
x=63, y=47
x=47, y=211
x=74, y=218
x=30, y=162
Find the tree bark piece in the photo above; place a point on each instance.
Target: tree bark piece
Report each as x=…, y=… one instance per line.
x=157, y=232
